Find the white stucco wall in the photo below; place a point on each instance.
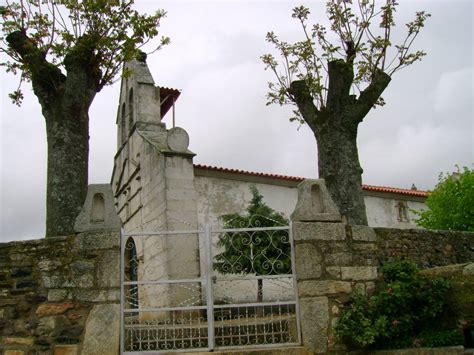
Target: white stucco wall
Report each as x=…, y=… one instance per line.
x=218, y=195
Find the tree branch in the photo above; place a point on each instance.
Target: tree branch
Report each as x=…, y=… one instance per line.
x=305, y=102
x=46, y=78
x=369, y=96
x=341, y=77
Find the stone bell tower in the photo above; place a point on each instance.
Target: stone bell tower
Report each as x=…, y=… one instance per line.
x=153, y=181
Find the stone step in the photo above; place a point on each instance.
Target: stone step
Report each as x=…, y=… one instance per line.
x=294, y=350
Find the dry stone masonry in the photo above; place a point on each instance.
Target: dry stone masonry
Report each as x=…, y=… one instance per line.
x=62, y=295
x=334, y=259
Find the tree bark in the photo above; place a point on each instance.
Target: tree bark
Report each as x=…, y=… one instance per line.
x=65, y=102
x=68, y=158
x=335, y=129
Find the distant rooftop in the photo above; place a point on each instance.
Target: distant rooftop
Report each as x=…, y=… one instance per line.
x=394, y=190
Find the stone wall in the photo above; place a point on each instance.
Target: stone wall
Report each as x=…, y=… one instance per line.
x=427, y=248
x=60, y=295
x=334, y=259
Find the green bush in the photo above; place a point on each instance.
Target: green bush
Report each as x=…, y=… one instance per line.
x=451, y=204
x=404, y=305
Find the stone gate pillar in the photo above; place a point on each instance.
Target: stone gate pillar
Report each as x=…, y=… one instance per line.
x=328, y=265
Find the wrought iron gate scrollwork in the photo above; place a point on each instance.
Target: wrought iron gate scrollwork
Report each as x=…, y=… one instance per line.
x=237, y=288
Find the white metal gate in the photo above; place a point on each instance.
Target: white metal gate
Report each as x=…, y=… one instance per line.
x=206, y=289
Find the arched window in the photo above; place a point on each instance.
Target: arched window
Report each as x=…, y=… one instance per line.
x=123, y=125
x=131, y=274
x=98, y=208
x=130, y=110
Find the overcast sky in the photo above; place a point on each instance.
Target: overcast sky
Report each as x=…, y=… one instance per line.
x=425, y=128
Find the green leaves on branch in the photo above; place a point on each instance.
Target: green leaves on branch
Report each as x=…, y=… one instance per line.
x=115, y=32
x=361, y=35
x=451, y=204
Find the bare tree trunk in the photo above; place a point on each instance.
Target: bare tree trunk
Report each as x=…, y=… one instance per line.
x=65, y=102
x=68, y=158
x=338, y=162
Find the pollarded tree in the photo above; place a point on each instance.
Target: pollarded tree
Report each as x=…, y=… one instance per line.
x=69, y=50
x=451, y=204
x=335, y=79
x=259, y=252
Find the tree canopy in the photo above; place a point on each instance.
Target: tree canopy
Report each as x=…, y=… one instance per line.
x=451, y=204
x=69, y=50
x=51, y=36
x=334, y=79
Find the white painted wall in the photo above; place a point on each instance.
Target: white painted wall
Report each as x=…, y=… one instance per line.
x=218, y=195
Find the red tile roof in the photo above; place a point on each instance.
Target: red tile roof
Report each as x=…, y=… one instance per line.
x=393, y=190
x=167, y=97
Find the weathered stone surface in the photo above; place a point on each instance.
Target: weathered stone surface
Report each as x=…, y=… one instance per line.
x=18, y=341
x=56, y=295
x=178, y=139
x=108, y=270
x=308, y=261
x=55, y=281
x=468, y=269
x=427, y=248
x=100, y=339
x=66, y=350
x=314, y=203
x=319, y=231
x=14, y=352
x=97, y=241
x=49, y=309
x=320, y=288
x=97, y=295
x=363, y=233
x=359, y=272
x=338, y=259
x=314, y=323
x=98, y=212
x=334, y=271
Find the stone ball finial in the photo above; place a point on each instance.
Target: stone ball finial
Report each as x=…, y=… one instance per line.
x=178, y=139
x=141, y=57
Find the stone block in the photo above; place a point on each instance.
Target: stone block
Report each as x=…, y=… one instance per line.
x=319, y=231
x=338, y=259
x=48, y=309
x=321, y=288
x=363, y=233
x=98, y=212
x=334, y=271
x=66, y=350
x=359, y=272
x=108, y=270
x=14, y=352
x=308, y=261
x=94, y=296
x=314, y=203
x=100, y=339
x=84, y=281
x=314, y=323
x=56, y=295
x=98, y=241
x=468, y=269
x=18, y=341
